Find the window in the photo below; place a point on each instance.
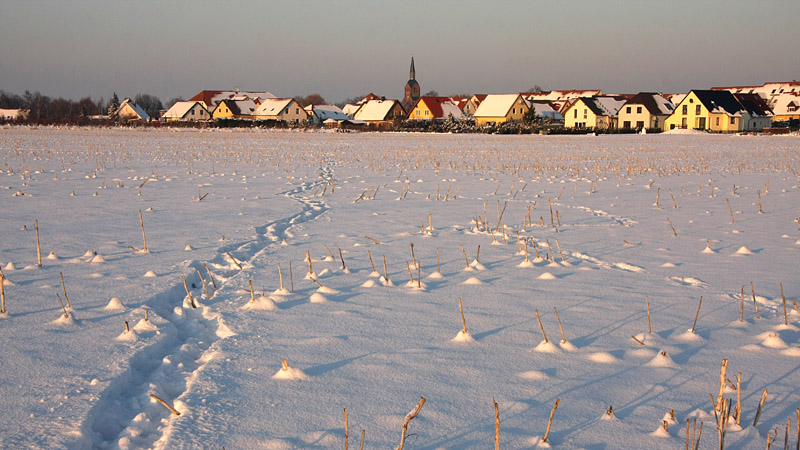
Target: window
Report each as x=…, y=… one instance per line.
x=297, y=110
x=627, y=111
x=733, y=120
x=638, y=110
x=717, y=121
x=685, y=110
x=683, y=123
x=640, y=124
x=626, y=124
x=576, y=113
x=585, y=114
x=697, y=110
x=192, y=112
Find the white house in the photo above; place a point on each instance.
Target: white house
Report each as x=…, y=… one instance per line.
x=129, y=111
x=282, y=109
x=645, y=110
x=318, y=114
x=187, y=112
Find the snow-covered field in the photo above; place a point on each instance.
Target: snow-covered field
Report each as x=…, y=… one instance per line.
x=598, y=211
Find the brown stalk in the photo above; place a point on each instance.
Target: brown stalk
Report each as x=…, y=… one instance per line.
x=170, y=408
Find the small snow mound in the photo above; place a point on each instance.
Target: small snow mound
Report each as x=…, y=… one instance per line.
x=554, y=264
x=327, y=290
x=708, y=250
x=662, y=359
x=316, y=297
x=88, y=254
x=290, y=373
x=188, y=248
x=532, y=375
x=64, y=320
x=568, y=346
x=660, y=432
x=52, y=256
x=323, y=273
x=374, y=274
x=628, y=267
x=525, y=264
x=97, y=259
x=547, y=276
x=369, y=284
x=7, y=282
x=463, y=337
x=774, y=341
x=261, y=304
x=386, y=282
x=472, y=281
x=792, y=351
x=10, y=266
x=537, y=442
x=668, y=264
x=144, y=326
x=603, y=358
x=280, y=291
x=418, y=285
x=114, y=305
x=743, y=251
x=689, y=336
x=127, y=336
x=150, y=274
x=477, y=265
x=546, y=347
x=435, y=276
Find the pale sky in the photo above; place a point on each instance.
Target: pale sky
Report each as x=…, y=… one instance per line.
x=345, y=48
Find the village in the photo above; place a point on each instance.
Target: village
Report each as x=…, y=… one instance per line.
x=771, y=107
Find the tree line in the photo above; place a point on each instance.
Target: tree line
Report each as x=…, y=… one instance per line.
x=45, y=110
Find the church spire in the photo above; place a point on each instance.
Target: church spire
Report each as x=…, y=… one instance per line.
x=413, y=72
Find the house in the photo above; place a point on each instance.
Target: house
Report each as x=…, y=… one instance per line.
x=547, y=111
x=758, y=114
x=281, y=109
x=786, y=107
x=234, y=109
x=707, y=110
x=435, y=108
x=130, y=112
x=351, y=108
x=645, y=110
x=212, y=98
x=472, y=104
x=192, y=111
x=499, y=108
x=320, y=114
x=9, y=115
x=380, y=113
x=597, y=113
x=770, y=92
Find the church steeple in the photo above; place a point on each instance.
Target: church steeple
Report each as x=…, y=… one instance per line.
x=413, y=72
x=411, y=89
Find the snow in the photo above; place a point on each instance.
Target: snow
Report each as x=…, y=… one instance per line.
x=372, y=345
x=496, y=105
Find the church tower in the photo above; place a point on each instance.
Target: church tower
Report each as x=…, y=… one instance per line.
x=412, y=89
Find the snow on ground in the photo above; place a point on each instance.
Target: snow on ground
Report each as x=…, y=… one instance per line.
x=251, y=363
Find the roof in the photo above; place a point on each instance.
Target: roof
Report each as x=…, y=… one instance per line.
x=180, y=109
x=496, y=105
x=787, y=103
x=272, y=106
x=240, y=107
x=328, y=112
x=546, y=109
x=603, y=105
x=441, y=107
x=212, y=98
x=375, y=110
x=719, y=102
x=655, y=103
x=754, y=105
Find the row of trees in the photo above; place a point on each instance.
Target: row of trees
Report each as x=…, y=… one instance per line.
x=46, y=110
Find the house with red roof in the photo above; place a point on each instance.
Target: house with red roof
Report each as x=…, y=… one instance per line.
x=435, y=108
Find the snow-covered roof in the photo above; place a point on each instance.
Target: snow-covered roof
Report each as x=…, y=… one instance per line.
x=12, y=114
x=441, y=107
x=655, y=104
x=496, y=105
x=135, y=108
x=272, y=106
x=546, y=110
x=327, y=112
x=786, y=103
x=180, y=109
x=375, y=110
x=350, y=109
x=213, y=98
x=240, y=107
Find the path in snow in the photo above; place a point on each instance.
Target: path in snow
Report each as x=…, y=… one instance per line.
x=126, y=416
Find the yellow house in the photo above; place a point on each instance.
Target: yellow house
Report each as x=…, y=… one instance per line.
x=708, y=110
x=598, y=112
x=499, y=108
x=281, y=109
x=435, y=108
x=235, y=109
